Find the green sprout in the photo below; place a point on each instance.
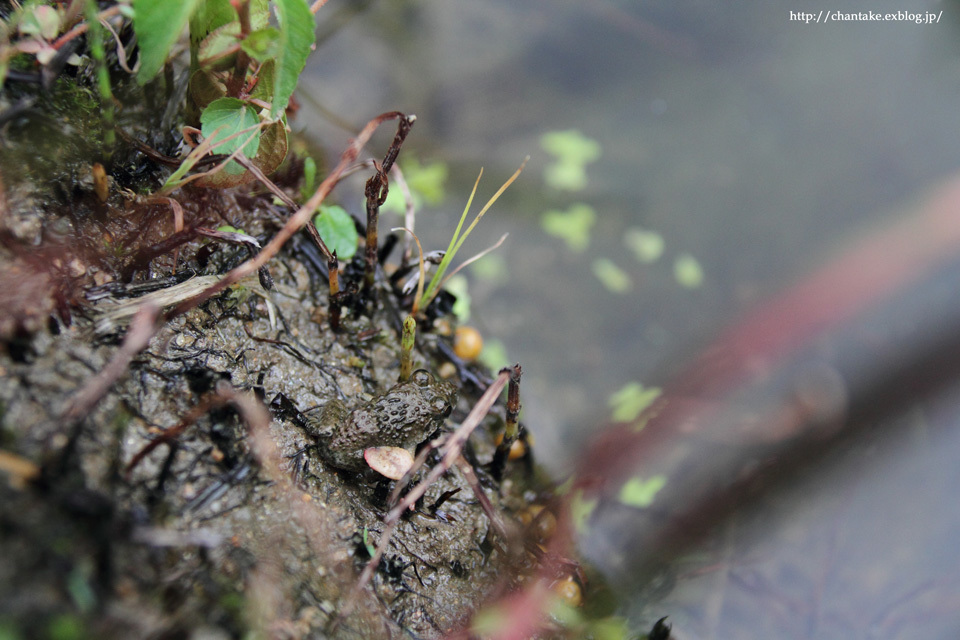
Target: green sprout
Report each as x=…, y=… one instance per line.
x=457, y=240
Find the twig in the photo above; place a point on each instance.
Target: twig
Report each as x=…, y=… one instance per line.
x=206, y=403
x=376, y=192
x=142, y=329
x=510, y=430
x=495, y=520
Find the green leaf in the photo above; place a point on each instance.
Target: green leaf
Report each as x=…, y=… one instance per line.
x=494, y=355
x=573, y=152
x=337, y=230
x=570, y=146
x=40, y=21
x=296, y=39
x=637, y=492
x=572, y=225
x=615, y=279
x=647, y=246
x=158, y=24
x=225, y=117
x=631, y=400
x=688, y=271
x=309, y=178
x=566, y=176
x=262, y=44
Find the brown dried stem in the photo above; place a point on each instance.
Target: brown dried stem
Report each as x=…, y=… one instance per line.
x=376, y=192
x=510, y=430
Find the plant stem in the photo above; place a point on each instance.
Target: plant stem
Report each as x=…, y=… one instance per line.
x=407, y=340
x=510, y=430
x=376, y=193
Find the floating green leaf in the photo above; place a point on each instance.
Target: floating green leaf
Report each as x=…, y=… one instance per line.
x=573, y=151
x=637, y=492
x=337, y=230
x=458, y=286
x=631, y=400
x=494, y=355
x=226, y=117
x=611, y=276
x=647, y=246
x=295, y=40
x=572, y=225
x=158, y=24
x=570, y=146
x=490, y=268
x=688, y=271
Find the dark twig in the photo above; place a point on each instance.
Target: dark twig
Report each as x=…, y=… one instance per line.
x=142, y=328
x=376, y=193
x=206, y=403
x=510, y=430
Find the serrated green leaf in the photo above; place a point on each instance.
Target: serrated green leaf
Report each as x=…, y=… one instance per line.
x=296, y=39
x=262, y=44
x=225, y=117
x=637, y=492
x=158, y=24
x=337, y=230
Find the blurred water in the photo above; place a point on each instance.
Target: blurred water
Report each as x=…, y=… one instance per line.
x=757, y=144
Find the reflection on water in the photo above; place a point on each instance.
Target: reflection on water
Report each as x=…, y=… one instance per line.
x=752, y=144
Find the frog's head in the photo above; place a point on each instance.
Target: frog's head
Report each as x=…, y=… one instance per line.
x=440, y=396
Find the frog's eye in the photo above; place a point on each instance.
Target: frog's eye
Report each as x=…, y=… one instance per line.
x=442, y=407
x=422, y=377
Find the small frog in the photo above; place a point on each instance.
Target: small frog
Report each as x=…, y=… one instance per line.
x=403, y=417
